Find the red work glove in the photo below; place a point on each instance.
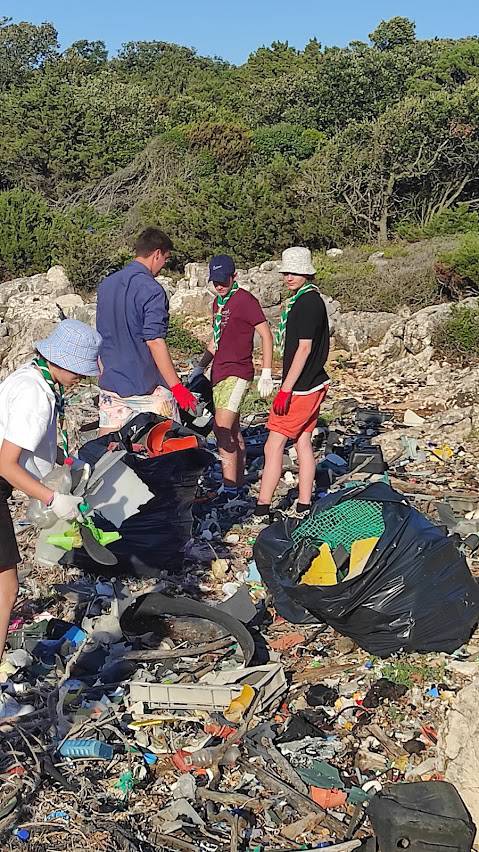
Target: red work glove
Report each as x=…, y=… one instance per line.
x=282, y=402
x=184, y=397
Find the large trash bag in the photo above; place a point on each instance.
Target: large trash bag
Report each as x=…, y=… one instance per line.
x=153, y=538
x=415, y=593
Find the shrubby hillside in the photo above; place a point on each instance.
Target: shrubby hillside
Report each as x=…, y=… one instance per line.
x=323, y=146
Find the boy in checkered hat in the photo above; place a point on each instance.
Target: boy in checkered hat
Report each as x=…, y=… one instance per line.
x=31, y=405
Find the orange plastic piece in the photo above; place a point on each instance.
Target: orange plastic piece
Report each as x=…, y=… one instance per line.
x=286, y=642
x=157, y=444
x=328, y=798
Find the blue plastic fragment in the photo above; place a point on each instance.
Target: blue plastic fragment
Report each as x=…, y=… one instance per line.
x=22, y=834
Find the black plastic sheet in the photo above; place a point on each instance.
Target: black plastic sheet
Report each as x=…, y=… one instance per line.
x=152, y=539
x=416, y=592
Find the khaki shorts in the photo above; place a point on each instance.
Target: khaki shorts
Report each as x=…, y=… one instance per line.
x=229, y=393
x=115, y=411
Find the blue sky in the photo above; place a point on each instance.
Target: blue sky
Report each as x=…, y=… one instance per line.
x=232, y=30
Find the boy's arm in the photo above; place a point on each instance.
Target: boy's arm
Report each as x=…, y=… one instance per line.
x=265, y=381
x=264, y=332
x=18, y=477
x=301, y=356
x=282, y=399
x=162, y=358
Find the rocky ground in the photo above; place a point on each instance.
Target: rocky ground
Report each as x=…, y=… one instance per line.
x=345, y=723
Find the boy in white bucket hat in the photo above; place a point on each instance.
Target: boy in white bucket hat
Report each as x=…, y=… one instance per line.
x=303, y=338
x=31, y=405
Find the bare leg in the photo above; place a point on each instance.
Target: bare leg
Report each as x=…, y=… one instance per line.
x=307, y=467
x=8, y=596
x=226, y=429
x=241, y=452
x=273, y=467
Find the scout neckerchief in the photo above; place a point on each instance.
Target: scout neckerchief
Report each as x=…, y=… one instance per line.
x=59, y=400
x=281, y=332
x=222, y=301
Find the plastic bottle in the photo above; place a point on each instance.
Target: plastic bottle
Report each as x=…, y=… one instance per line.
x=212, y=756
x=86, y=748
x=59, y=479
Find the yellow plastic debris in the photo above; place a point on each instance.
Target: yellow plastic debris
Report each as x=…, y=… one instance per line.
x=444, y=453
x=360, y=552
x=322, y=571
x=238, y=706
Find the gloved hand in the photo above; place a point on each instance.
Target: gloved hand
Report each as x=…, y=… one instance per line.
x=282, y=401
x=65, y=507
x=265, y=383
x=184, y=397
x=196, y=371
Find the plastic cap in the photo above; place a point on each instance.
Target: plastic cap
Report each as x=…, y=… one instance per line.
x=68, y=461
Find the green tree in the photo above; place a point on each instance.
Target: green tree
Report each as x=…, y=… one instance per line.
x=23, y=48
x=93, y=52
x=418, y=158
x=393, y=33
x=248, y=215
x=25, y=233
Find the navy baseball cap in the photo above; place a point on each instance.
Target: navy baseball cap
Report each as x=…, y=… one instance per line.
x=222, y=268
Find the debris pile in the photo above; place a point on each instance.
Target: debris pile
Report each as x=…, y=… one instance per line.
x=195, y=711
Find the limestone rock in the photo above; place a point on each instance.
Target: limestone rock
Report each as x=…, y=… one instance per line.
x=333, y=309
x=69, y=300
x=392, y=345
x=334, y=252
x=196, y=302
x=420, y=328
x=83, y=312
x=196, y=274
x=267, y=287
x=356, y=331
x=458, y=747
x=167, y=283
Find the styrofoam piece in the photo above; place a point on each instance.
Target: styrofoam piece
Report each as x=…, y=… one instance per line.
x=120, y=494
x=217, y=694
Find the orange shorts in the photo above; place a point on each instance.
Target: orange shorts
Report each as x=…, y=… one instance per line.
x=302, y=415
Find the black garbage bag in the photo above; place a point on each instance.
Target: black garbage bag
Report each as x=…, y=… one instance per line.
x=416, y=592
x=152, y=539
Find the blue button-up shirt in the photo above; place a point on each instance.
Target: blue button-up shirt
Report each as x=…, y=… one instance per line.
x=131, y=309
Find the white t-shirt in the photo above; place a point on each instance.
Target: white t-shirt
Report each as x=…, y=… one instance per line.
x=28, y=419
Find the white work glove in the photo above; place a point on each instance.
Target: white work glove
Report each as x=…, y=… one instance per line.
x=265, y=383
x=65, y=507
x=196, y=371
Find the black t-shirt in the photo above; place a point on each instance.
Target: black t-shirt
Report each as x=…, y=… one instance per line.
x=308, y=320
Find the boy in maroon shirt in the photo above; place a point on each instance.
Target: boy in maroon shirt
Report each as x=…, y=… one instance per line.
x=237, y=314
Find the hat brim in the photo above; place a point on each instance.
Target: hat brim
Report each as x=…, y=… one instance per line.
x=310, y=270
x=79, y=368
x=217, y=280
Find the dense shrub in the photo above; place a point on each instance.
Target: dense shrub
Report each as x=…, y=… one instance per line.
x=181, y=339
x=25, y=233
x=457, y=337
x=456, y=220
x=464, y=260
x=289, y=140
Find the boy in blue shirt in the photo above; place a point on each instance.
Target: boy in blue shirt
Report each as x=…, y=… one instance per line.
x=132, y=317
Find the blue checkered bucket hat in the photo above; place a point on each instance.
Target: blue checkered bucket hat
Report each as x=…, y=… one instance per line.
x=74, y=346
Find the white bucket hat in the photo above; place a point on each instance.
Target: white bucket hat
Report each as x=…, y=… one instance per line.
x=297, y=261
x=74, y=346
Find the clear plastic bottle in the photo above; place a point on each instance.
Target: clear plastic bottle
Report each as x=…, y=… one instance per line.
x=59, y=479
x=212, y=756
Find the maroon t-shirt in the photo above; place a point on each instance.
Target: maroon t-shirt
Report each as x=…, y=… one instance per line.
x=234, y=356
